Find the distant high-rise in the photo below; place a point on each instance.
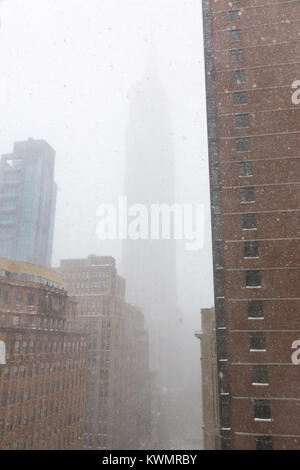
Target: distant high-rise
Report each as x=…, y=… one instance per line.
x=150, y=265
x=27, y=202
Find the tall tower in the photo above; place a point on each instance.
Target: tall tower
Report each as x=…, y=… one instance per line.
x=27, y=202
x=252, y=62
x=150, y=265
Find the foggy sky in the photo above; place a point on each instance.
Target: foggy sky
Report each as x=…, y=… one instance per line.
x=69, y=68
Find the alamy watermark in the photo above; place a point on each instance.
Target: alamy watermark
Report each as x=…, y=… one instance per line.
x=152, y=222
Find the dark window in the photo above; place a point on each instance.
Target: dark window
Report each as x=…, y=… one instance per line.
x=260, y=374
x=257, y=341
x=255, y=309
x=240, y=97
x=10, y=422
x=238, y=76
x=4, y=399
x=218, y=253
x=264, y=443
x=247, y=194
x=234, y=15
x=241, y=120
x=218, y=226
x=237, y=54
x=12, y=398
x=219, y=285
x=30, y=300
x=249, y=222
x=262, y=409
x=20, y=396
x=251, y=250
x=253, y=279
x=243, y=144
x=17, y=347
x=235, y=35
x=19, y=298
x=245, y=169
x=4, y=297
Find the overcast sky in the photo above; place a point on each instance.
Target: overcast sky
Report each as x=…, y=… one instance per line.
x=69, y=68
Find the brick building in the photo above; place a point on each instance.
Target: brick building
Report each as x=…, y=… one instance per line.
x=252, y=58
x=118, y=384
x=42, y=361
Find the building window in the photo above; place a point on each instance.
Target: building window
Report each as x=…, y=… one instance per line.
x=237, y=55
x=249, y=222
x=243, y=144
x=218, y=252
x=253, y=279
x=30, y=300
x=234, y=15
x=4, y=399
x=17, y=347
x=19, y=298
x=257, y=341
x=16, y=320
x=239, y=97
x=264, y=443
x=238, y=76
x=245, y=169
x=247, y=194
x=262, y=410
x=241, y=120
x=260, y=374
x=4, y=297
x=235, y=35
x=255, y=309
x=251, y=249
x=10, y=422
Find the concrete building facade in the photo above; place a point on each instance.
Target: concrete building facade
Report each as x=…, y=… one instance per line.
x=252, y=58
x=42, y=361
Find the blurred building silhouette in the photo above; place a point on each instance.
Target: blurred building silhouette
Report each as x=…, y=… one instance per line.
x=149, y=266
x=43, y=361
x=118, y=383
x=252, y=60
x=27, y=202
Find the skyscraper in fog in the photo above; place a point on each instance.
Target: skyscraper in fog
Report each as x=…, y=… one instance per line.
x=150, y=265
x=27, y=202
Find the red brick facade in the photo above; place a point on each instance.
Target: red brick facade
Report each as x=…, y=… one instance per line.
x=43, y=379
x=252, y=58
x=118, y=383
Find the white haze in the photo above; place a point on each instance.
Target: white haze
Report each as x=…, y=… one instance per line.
x=69, y=68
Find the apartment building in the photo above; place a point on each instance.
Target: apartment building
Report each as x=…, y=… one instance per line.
x=252, y=59
x=118, y=384
x=42, y=361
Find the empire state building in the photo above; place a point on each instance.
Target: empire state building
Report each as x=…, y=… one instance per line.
x=149, y=266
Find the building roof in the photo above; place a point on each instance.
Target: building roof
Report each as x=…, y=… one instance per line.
x=32, y=270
